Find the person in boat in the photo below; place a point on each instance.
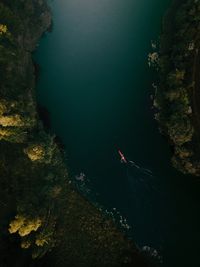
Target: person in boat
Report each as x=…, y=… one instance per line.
x=123, y=159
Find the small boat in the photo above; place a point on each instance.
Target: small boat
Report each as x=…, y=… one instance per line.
x=123, y=159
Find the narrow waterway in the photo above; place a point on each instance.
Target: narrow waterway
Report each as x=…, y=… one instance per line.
x=96, y=84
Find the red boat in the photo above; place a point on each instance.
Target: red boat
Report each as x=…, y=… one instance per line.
x=123, y=159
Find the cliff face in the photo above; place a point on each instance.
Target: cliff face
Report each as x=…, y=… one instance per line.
x=40, y=210
x=177, y=96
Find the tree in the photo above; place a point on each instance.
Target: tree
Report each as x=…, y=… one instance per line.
x=24, y=226
x=3, y=29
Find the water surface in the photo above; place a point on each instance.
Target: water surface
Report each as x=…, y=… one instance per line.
x=96, y=83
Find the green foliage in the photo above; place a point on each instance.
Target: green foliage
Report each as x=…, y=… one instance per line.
x=42, y=150
x=175, y=95
x=3, y=29
x=24, y=226
x=40, y=210
x=180, y=129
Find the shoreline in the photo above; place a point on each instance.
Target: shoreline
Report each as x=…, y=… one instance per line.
x=174, y=98
x=64, y=221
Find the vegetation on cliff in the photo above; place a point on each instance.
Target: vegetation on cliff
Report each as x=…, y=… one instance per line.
x=40, y=210
x=177, y=94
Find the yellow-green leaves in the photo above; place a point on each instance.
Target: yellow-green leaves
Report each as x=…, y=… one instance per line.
x=35, y=152
x=3, y=29
x=23, y=225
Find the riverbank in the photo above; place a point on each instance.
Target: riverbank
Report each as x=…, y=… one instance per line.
x=41, y=211
x=176, y=98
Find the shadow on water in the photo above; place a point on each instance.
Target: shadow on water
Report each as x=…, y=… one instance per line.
x=96, y=84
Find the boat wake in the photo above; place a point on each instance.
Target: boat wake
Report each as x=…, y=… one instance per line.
x=142, y=170
x=131, y=163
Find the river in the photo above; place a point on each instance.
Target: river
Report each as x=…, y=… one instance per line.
x=95, y=81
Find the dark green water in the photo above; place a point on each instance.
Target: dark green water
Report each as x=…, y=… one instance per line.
x=96, y=83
